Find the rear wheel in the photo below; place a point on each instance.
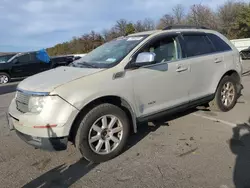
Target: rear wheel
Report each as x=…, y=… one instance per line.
x=4, y=78
x=103, y=133
x=226, y=95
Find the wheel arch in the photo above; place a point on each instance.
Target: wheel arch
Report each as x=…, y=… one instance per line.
x=6, y=72
x=112, y=99
x=231, y=72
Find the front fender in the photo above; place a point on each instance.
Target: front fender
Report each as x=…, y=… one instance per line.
x=82, y=101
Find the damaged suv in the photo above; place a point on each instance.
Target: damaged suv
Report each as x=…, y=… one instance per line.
x=98, y=100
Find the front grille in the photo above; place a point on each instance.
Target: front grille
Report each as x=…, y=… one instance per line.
x=22, y=101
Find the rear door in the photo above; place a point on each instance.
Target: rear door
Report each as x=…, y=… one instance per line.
x=38, y=65
x=223, y=49
x=205, y=63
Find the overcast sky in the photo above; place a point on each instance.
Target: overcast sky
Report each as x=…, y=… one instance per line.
x=34, y=24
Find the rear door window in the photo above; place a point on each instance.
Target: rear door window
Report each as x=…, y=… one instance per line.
x=197, y=44
x=219, y=44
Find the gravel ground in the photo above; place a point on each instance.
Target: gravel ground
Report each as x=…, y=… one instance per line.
x=193, y=149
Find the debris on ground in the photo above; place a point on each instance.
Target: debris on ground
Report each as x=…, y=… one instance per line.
x=125, y=178
x=182, y=139
x=188, y=152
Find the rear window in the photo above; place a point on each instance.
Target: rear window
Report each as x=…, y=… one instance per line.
x=219, y=44
x=197, y=45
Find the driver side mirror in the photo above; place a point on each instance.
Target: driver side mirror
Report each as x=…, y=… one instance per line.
x=145, y=58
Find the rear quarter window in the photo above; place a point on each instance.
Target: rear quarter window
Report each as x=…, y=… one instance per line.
x=219, y=44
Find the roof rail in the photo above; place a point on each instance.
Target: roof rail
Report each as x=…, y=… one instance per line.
x=184, y=27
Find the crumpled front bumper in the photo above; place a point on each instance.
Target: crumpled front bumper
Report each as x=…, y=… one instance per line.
x=49, y=144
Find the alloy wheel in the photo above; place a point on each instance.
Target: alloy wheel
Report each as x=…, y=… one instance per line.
x=4, y=79
x=228, y=94
x=105, y=134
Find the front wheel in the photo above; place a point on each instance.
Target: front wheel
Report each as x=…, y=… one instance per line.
x=103, y=133
x=226, y=95
x=4, y=78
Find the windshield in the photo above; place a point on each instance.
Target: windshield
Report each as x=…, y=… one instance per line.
x=4, y=59
x=110, y=53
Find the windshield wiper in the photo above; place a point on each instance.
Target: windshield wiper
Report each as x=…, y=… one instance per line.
x=87, y=64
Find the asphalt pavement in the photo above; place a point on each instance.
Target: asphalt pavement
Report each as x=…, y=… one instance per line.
x=198, y=148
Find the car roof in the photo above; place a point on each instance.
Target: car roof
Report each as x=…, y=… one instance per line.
x=195, y=29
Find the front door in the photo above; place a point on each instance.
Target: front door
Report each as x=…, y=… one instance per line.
x=21, y=66
x=165, y=83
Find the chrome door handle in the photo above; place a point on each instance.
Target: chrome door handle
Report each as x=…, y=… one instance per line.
x=181, y=69
x=218, y=60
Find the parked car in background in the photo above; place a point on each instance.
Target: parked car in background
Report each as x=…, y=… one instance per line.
x=63, y=60
x=79, y=55
x=21, y=65
x=76, y=57
x=245, y=54
x=241, y=44
x=99, y=100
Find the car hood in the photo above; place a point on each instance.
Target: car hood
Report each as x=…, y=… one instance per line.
x=49, y=80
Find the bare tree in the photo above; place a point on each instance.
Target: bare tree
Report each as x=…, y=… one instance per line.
x=139, y=27
x=201, y=15
x=148, y=24
x=179, y=14
x=165, y=21
x=110, y=34
x=145, y=25
x=120, y=26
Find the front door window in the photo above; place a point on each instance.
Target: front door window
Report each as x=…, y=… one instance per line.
x=166, y=49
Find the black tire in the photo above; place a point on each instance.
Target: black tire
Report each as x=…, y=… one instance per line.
x=217, y=104
x=82, y=135
x=6, y=75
